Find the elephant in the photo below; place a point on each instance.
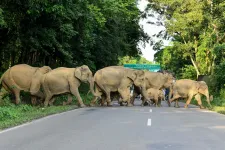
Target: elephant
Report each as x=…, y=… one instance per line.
x=26, y=78
x=155, y=95
x=117, y=78
x=186, y=88
x=64, y=80
x=156, y=80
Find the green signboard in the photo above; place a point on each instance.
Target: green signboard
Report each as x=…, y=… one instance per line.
x=150, y=67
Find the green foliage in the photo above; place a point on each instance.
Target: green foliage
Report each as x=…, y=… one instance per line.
x=194, y=28
x=133, y=60
x=68, y=33
x=219, y=77
x=188, y=72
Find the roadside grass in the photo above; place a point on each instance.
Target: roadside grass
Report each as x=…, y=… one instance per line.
x=218, y=103
x=13, y=115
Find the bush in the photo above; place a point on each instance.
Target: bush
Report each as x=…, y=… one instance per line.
x=218, y=78
x=188, y=72
x=7, y=113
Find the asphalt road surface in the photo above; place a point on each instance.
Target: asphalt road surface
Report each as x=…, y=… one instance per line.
x=121, y=128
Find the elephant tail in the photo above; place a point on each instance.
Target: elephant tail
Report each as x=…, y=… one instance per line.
x=1, y=80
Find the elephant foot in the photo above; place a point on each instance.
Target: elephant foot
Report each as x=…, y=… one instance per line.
x=109, y=104
x=202, y=107
x=177, y=106
x=82, y=106
x=92, y=105
x=130, y=105
x=168, y=102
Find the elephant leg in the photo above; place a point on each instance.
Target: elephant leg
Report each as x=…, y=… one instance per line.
x=35, y=89
x=93, y=101
x=103, y=100
x=159, y=102
x=47, y=99
x=51, y=101
x=76, y=93
x=143, y=102
x=4, y=91
x=188, y=100
x=125, y=94
x=33, y=100
x=175, y=97
x=17, y=95
x=133, y=97
x=69, y=101
x=176, y=105
x=198, y=98
x=108, y=99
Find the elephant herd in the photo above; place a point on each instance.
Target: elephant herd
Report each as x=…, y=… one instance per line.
x=44, y=83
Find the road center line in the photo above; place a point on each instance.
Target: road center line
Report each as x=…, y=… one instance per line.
x=149, y=123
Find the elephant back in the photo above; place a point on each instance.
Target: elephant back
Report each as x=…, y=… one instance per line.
x=20, y=76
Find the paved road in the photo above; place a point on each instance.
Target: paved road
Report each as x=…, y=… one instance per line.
x=121, y=128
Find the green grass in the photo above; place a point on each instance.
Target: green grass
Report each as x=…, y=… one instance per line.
x=12, y=115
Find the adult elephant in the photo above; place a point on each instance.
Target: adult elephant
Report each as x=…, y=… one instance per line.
x=117, y=78
x=66, y=81
x=186, y=88
x=23, y=77
x=156, y=80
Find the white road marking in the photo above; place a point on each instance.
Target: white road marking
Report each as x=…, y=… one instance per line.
x=150, y=110
x=149, y=123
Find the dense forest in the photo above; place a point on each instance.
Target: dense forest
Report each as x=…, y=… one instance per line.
x=68, y=32
x=196, y=30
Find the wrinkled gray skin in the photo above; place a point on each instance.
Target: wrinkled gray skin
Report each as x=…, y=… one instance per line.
x=26, y=78
x=156, y=80
x=66, y=81
x=186, y=88
x=117, y=78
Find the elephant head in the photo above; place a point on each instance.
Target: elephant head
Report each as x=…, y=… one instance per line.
x=138, y=77
x=45, y=69
x=169, y=79
x=161, y=95
x=203, y=89
x=84, y=74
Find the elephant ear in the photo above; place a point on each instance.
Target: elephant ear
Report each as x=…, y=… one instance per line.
x=202, y=85
x=80, y=71
x=77, y=73
x=133, y=75
x=45, y=69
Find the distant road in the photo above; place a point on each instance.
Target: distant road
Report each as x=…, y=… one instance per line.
x=121, y=128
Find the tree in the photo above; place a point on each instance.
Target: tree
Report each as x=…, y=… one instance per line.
x=68, y=33
x=194, y=29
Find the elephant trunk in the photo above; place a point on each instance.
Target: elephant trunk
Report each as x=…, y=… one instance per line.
x=91, y=82
x=144, y=92
x=207, y=97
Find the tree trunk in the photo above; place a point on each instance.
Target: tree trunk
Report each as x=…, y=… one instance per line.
x=195, y=66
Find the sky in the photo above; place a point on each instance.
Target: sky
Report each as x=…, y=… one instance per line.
x=150, y=29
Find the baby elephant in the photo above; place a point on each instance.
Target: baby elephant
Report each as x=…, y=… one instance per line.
x=156, y=95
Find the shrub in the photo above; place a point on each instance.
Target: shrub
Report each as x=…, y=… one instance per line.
x=7, y=113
